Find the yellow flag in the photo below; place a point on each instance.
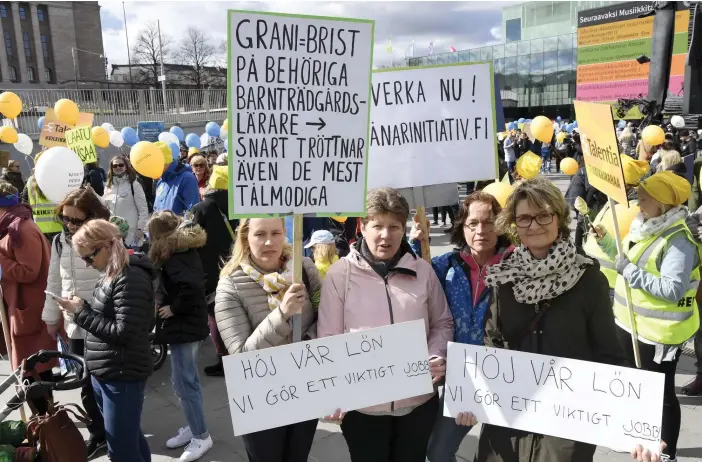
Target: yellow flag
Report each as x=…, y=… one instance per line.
x=505, y=179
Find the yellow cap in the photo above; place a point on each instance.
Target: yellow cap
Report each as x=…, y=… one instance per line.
x=166, y=150
x=193, y=151
x=219, y=179
x=634, y=170
x=667, y=188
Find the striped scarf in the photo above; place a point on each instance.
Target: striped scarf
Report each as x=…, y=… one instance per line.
x=275, y=284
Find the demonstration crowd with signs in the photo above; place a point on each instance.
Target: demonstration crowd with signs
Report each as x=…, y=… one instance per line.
x=294, y=256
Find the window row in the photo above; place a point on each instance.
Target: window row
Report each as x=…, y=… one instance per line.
x=27, y=45
x=31, y=75
x=41, y=15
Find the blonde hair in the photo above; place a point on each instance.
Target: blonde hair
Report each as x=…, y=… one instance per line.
x=540, y=194
x=324, y=253
x=668, y=159
x=626, y=135
x=241, y=250
x=161, y=225
x=96, y=234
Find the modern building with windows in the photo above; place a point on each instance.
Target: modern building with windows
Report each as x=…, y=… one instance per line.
x=40, y=40
x=535, y=66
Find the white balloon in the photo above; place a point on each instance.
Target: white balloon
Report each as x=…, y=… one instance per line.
x=223, y=136
x=556, y=126
x=58, y=172
x=677, y=121
x=24, y=144
x=108, y=126
x=116, y=139
x=204, y=140
x=168, y=137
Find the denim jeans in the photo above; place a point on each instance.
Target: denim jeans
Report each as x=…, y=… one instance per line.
x=120, y=404
x=446, y=437
x=186, y=384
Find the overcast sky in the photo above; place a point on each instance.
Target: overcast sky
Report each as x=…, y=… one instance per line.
x=458, y=24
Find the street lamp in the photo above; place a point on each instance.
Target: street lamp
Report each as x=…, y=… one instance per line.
x=75, y=61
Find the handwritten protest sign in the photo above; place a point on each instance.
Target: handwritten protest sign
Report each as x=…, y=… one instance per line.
x=433, y=125
x=299, y=89
x=80, y=141
x=303, y=381
x=611, y=406
x=600, y=149
x=53, y=132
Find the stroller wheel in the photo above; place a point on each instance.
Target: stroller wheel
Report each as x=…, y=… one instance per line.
x=159, y=353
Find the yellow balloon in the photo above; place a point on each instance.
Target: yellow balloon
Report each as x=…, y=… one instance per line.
x=339, y=219
x=500, y=191
x=560, y=137
x=225, y=126
x=542, y=129
x=569, y=166
x=101, y=138
x=625, y=215
x=166, y=151
x=653, y=135
x=529, y=165
x=66, y=111
x=147, y=159
x=8, y=135
x=10, y=105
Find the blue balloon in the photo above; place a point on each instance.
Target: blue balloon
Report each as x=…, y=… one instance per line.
x=212, y=129
x=40, y=122
x=175, y=150
x=192, y=141
x=512, y=126
x=621, y=123
x=558, y=119
x=527, y=121
x=177, y=131
x=521, y=120
x=575, y=124
x=130, y=136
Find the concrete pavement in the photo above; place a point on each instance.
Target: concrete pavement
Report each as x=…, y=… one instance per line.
x=162, y=414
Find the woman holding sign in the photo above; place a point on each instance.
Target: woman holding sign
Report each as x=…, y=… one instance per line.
x=552, y=301
x=661, y=266
x=379, y=283
x=254, y=302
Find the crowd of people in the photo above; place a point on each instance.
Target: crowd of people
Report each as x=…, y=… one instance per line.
x=124, y=260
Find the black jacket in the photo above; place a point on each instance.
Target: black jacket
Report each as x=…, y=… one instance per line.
x=183, y=282
x=15, y=179
x=688, y=147
x=208, y=214
x=95, y=177
x=578, y=324
x=117, y=324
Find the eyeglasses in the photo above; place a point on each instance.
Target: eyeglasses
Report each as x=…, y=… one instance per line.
x=73, y=221
x=90, y=259
x=199, y=165
x=118, y=165
x=543, y=219
x=473, y=225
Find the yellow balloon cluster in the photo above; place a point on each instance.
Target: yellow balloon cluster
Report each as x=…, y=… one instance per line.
x=542, y=129
x=8, y=135
x=500, y=191
x=569, y=166
x=653, y=135
x=529, y=165
x=101, y=138
x=10, y=105
x=66, y=111
x=147, y=159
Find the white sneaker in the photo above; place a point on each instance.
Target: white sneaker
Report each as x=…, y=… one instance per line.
x=196, y=449
x=181, y=439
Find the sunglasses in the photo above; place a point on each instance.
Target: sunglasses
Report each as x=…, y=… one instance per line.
x=89, y=259
x=73, y=221
x=118, y=166
x=199, y=165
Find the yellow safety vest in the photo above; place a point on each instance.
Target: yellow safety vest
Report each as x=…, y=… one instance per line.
x=593, y=250
x=658, y=320
x=43, y=211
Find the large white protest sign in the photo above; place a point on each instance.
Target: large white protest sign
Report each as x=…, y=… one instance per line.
x=299, y=92
x=611, y=406
x=309, y=380
x=432, y=125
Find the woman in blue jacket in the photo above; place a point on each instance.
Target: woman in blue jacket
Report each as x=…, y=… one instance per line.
x=462, y=273
x=177, y=189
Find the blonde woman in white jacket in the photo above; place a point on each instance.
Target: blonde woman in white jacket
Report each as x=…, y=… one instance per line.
x=69, y=275
x=125, y=198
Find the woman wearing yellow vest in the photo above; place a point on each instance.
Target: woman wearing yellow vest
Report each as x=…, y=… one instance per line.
x=634, y=170
x=661, y=265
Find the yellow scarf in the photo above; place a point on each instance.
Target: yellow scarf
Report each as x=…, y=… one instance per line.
x=275, y=284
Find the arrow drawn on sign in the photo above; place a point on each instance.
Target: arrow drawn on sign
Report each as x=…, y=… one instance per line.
x=321, y=124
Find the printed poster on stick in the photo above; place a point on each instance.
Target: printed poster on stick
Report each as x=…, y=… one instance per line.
x=53, y=132
x=600, y=149
x=611, y=406
x=433, y=125
x=80, y=141
x=303, y=381
x=299, y=89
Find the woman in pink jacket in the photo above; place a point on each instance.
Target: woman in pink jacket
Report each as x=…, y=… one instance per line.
x=382, y=282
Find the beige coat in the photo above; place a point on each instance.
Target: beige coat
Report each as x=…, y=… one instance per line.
x=244, y=320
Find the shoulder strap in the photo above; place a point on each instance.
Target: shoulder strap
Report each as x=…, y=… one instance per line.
x=229, y=226
x=534, y=324
x=58, y=244
x=306, y=280
x=347, y=276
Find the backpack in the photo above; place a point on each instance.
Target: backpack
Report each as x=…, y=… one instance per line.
x=57, y=437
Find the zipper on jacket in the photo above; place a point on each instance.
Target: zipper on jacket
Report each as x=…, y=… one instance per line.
x=392, y=321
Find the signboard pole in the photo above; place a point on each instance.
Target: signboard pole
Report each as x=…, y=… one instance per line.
x=297, y=272
x=629, y=305
x=422, y=217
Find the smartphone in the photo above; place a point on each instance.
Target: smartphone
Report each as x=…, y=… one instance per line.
x=52, y=295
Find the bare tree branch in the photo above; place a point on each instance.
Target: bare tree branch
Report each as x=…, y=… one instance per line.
x=147, y=52
x=196, y=52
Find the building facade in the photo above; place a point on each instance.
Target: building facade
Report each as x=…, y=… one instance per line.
x=177, y=76
x=40, y=41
